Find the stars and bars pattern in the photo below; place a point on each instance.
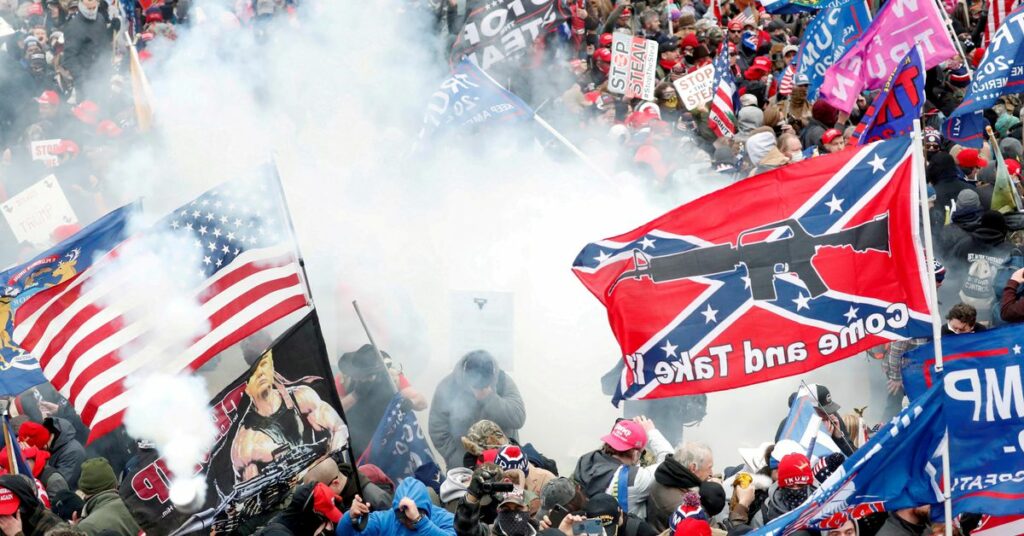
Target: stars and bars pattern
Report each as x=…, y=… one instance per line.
x=230, y=251
x=722, y=116
x=997, y=12
x=671, y=327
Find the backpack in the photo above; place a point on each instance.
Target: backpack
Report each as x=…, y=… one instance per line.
x=976, y=289
x=1012, y=263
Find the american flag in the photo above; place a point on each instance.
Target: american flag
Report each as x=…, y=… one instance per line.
x=231, y=250
x=997, y=11
x=786, y=84
x=722, y=117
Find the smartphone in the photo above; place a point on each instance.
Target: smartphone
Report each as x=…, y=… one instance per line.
x=556, y=515
x=588, y=527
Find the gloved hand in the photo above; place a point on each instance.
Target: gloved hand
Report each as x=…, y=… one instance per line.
x=478, y=483
x=324, y=503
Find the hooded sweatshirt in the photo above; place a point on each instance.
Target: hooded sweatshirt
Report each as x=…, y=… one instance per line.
x=434, y=521
x=35, y=518
x=943, y=174
x=455, y=408
x=298, y=517
x=66, y=453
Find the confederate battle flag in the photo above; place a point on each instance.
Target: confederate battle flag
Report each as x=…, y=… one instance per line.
x=773, y=276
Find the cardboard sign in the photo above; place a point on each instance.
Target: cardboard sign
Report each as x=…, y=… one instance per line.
x=483, y=320
x=43, y=150
x=634, y=61
x=695, y=89
x=34, y=213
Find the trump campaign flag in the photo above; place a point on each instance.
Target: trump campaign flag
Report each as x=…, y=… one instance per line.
x=804, y=431
x=722, y=115
x=230, y=252
x=983, y=401
x=785, y=7
x=470, y=97
x=1001, y=71
x=897, y=27
x=772, y=276
x=901, y=101
x=827, y=37
x=897, y=468
x=505, y=30
x=398, y=446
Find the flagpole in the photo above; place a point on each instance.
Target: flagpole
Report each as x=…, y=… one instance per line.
x=376, y=349
x=558, y=136
x=933, y=303
x=8, y=439
x=952, y=35
x=295, y=238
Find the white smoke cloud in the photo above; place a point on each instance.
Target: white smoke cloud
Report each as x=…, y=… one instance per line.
x=338, y=100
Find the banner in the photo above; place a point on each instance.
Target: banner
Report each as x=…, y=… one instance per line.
x=984, y=411
x=900, y=102
x=505, y=30
x=633, y=66
x=42, y=151
x=696, y=89
x=398, y=447
x=786, y=7
x=804, y=431
x=897, y=468
x=897, y=27
x=826, y=39
x=769, y=277
x=259, y=450
x=470, y=97
x=36, y=211
x=1001, y=71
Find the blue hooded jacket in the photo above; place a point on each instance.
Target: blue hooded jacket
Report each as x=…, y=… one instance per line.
x=434, y=521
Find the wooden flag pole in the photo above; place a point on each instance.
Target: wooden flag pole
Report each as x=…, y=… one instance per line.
x=933, y=302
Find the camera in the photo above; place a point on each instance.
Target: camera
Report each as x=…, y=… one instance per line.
x=490, y=488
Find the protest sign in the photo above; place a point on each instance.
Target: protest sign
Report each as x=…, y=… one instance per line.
x=697, y=88
x=42, y=150
x=36, y=211
x=634, y=61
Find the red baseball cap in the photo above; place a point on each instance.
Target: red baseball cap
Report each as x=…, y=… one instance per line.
x=605, y=40
x=969, y=158
x=87, y=112
x=830, y=135
x=108, y=128
x=627, y=435
x=49, y=97
x=795, y=471
x=735, y=25
x=9, y=502
x=35, y=10
x=690, y=41
x=1013, y=167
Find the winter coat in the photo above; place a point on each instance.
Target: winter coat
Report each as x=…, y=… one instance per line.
x=773, y=160
x=894, y=526
x=36, y=520
x=454, y=409
x=106, y=511
x=811, y=134
x=297, y=518
x=771, y=509
x=537, y=478
x=86, y=44
x=66, y=453
x=597, y=472
x=671, y=480
x=1011, y=309
x=434, y=520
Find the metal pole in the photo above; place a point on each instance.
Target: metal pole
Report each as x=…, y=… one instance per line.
x=818, y=406
x=933, y=302
x=295, y=238
x=376, y=349
x=8, y=439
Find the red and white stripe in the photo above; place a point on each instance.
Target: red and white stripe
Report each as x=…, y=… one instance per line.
x=997, y=12
x=786, y=84
x=1000, y=526
x=90, y=336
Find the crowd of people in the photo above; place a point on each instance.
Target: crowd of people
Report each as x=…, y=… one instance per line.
x=64, y=78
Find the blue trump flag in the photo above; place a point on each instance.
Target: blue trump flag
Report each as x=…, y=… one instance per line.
x=398, y=446
x=896, y=469
x=826, y=38
x=786, y=7
x=19, y=370
x=1001, y=71
x=900, y=102
x=805, y=428
x=984, y=411
x=470, y=97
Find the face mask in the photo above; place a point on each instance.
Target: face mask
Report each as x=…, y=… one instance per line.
x=796, y=156
x=672, y=102
x=88, y=13
x=791, y=498
x=515, y=523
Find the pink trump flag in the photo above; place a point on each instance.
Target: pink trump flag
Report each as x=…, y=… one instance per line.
x=867, y=64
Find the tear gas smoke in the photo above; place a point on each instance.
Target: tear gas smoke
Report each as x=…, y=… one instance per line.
x=339, y=102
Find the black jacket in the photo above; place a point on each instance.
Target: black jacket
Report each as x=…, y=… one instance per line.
x=66, y=453
x=942, y=174
x=87, y=43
